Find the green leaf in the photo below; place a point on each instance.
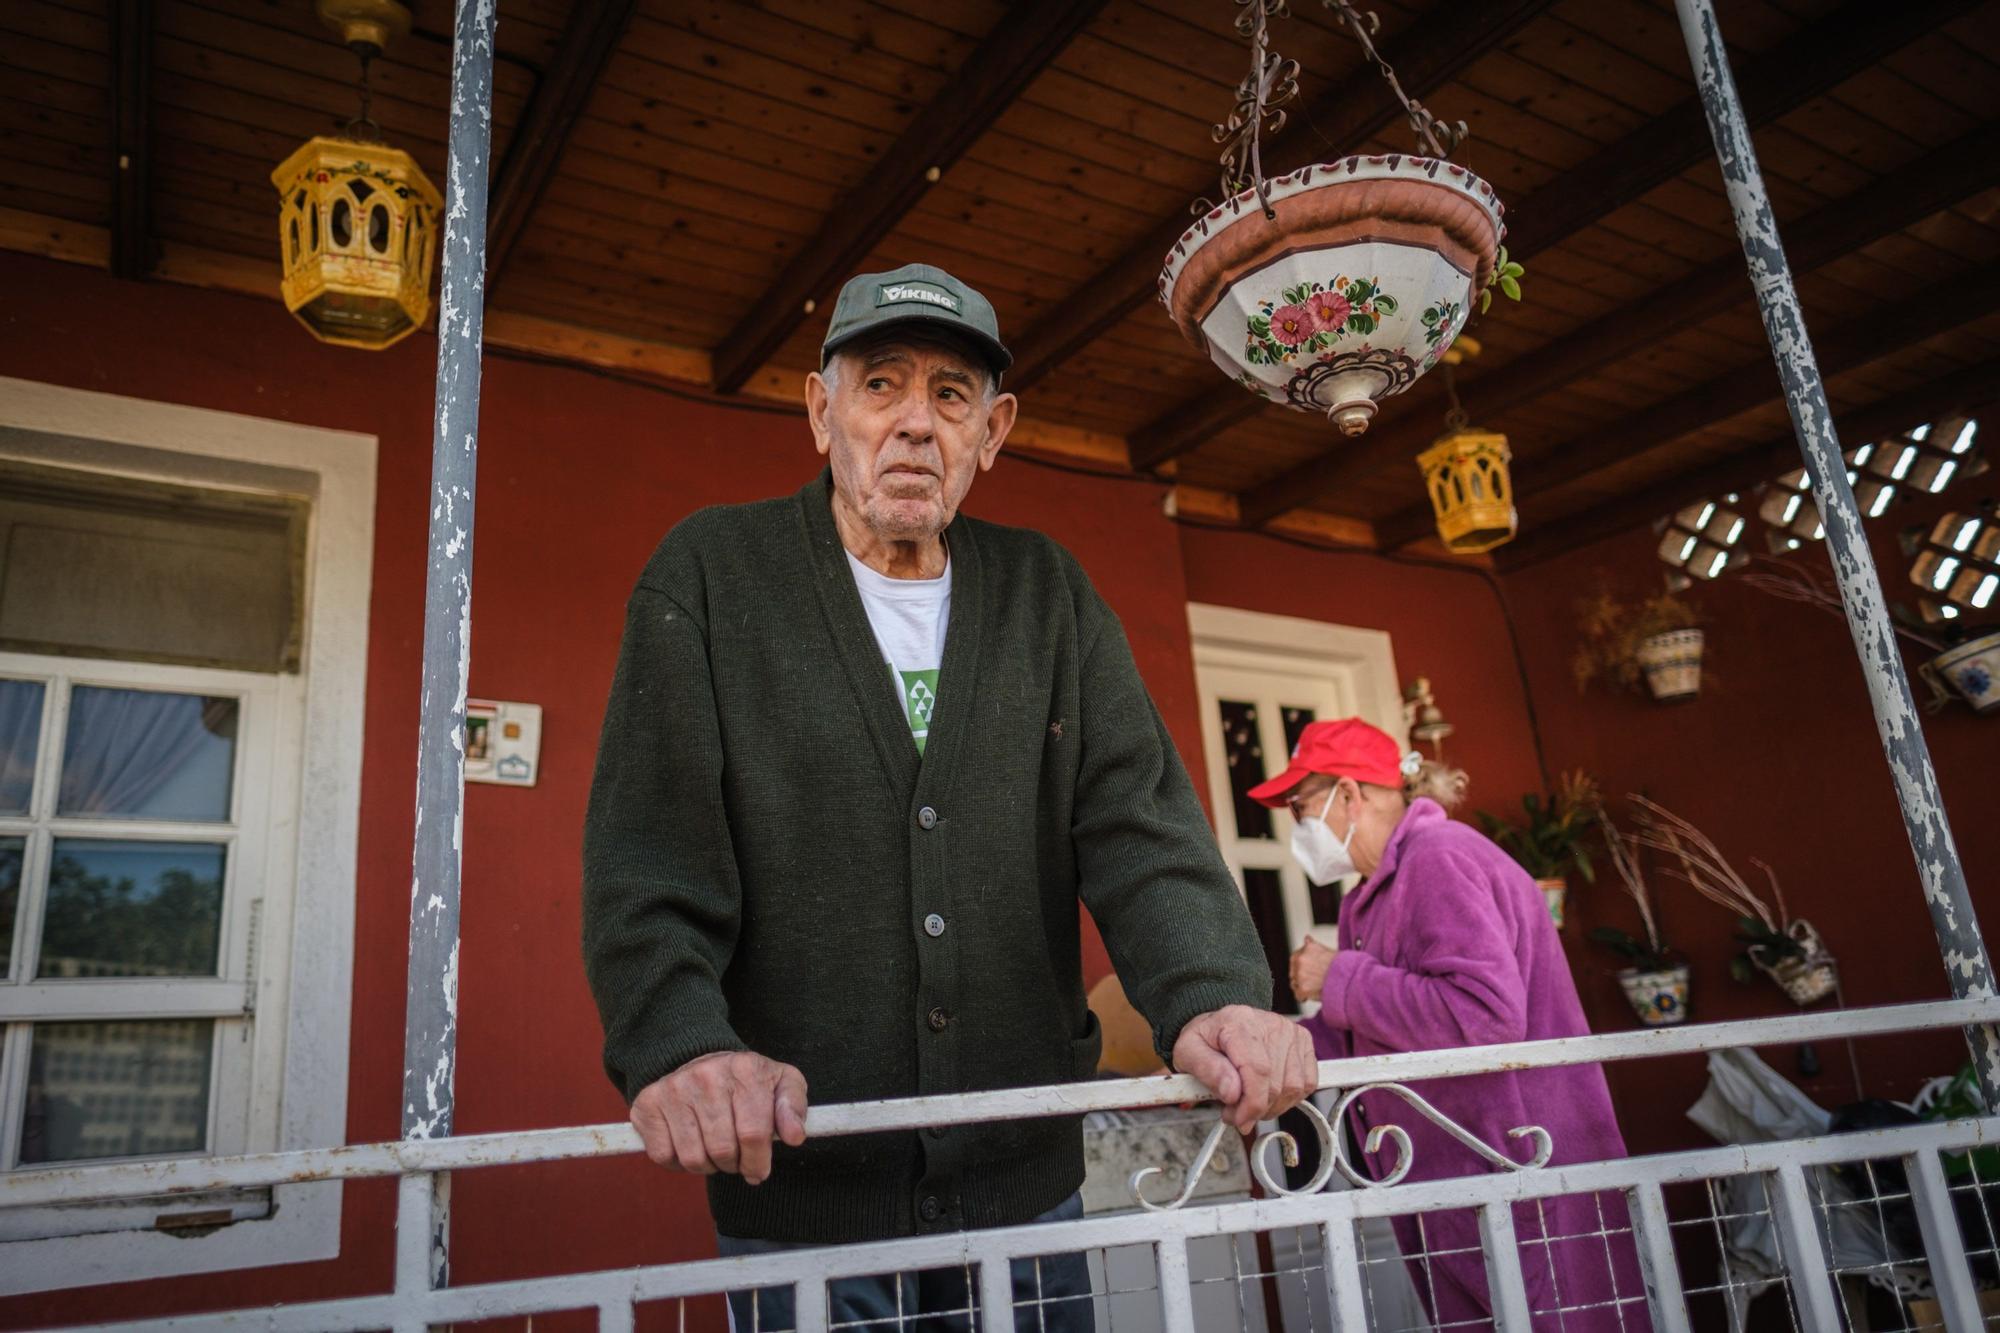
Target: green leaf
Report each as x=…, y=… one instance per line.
x=1485, y=299
x=1512, y=270
x=1739, y=968
x=1430, y=317
x=1511, y=288
x=1361, y=323
x=1386, y=304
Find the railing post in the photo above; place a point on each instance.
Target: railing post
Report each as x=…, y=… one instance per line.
x=1654, y=1237
x=1502, y=1247
x=1343, y=1276
x=1944, y=1246
x=1805, y=1256
x=430, y=1029
x=1966, y=964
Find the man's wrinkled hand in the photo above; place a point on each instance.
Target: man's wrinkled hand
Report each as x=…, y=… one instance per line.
x=1309, y=969
x=720, y=1112
x=1257, y=1063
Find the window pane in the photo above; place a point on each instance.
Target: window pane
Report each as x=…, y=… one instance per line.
x=143, y=754
x=132, y=909
x=117, y=1089
x=1296, y=721
x=10, y=898
x=1245, y=755
x=20, y=733
x=1264, y=893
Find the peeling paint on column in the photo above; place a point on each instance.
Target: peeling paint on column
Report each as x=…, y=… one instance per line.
x=1959, y=943
x=430, y=1034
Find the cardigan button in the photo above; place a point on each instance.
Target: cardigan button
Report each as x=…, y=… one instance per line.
x=930, y=1209
x=927, y=818
x=933, y=925
x=937, y=1018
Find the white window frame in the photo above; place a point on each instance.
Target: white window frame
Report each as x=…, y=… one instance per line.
x=303, y=975
x=1354, y=662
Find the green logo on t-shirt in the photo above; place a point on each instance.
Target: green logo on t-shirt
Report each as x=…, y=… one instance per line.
x=919, y=702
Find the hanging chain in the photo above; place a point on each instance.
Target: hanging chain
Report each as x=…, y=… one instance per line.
x=363, y=125
x=1438, y=136
x=1454, y=417
x=1273, y=81
x=1260, y=98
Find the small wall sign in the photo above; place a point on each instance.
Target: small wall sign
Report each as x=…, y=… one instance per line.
x=503, y=742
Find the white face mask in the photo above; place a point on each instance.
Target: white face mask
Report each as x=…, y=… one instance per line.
x=1323, y=857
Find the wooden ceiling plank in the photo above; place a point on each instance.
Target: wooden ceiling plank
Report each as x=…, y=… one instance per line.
x=1928, y=314
x=1931, y=183
x=1354, y=110
x=1966, y=389
x=132, y=245
x=1026, y=41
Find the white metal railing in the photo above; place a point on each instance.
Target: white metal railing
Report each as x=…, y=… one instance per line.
x=1799, y=1208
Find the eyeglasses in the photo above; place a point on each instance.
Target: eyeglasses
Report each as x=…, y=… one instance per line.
x=1310, y=804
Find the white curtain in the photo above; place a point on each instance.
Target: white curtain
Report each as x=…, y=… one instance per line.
x=124, y=745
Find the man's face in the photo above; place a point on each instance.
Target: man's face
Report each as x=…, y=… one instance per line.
x=905, y=427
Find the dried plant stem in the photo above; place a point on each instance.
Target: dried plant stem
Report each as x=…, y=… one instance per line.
x=1702, y=865
x=1626, y=862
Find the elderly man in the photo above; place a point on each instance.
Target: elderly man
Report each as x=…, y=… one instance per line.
x=862, y=757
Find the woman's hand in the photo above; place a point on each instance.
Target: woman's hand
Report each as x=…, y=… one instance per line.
x=1309, y=967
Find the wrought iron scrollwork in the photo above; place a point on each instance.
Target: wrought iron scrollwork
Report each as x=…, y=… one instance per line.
x=1273, y=81
x=1332, y=1152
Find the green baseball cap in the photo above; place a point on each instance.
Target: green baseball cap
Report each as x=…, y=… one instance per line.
x=922, y=298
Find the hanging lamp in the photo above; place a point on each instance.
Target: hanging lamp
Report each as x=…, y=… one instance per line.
x=1337, y=285
x=357, y=219
x=1465, y=474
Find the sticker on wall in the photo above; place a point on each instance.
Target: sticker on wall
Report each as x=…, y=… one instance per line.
x=503, y=742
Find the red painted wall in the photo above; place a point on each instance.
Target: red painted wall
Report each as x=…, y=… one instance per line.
x=1777, y=759
x=580, y=475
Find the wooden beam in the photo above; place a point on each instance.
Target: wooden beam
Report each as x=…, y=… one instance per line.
x=132, y=245
x=553, y=109
x=1967, y=390
x=1883, y=207
x=1915, y=319
x=1427, y=55
x=1820, y=55
x=1031, y=35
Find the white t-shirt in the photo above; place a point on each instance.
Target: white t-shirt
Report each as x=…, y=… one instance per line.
x=909, y=617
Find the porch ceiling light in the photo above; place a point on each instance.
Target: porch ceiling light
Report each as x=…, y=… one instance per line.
x=357, y=219
x=1465, y=474
x=1336, y=286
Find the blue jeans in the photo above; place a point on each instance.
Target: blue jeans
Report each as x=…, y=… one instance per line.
x=1055, y=1300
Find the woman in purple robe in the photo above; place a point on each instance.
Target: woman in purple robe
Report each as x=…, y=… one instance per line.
x=1446, y=942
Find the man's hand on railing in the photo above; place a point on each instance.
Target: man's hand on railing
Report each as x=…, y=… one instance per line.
x=720, y=1112
x=1257, y=1063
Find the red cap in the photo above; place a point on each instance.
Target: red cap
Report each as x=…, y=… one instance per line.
x=1349, y=748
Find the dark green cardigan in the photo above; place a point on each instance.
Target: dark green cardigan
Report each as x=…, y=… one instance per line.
x=764, y=845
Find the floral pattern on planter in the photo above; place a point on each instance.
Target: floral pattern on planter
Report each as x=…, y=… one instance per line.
x=1658, y=998
x=1441, y=320
x=1307, y=320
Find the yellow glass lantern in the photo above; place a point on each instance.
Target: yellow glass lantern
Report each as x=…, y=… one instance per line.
x=357, y=219
x=1465, y=472
x=357, y=223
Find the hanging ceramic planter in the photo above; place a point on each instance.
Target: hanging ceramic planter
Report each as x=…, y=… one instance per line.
x=1554, y=891
x=1807, y=976
x=1351, y=287
x=1973, y=670
x=1672, y=663
x=1335, y=286
x=1658, y=998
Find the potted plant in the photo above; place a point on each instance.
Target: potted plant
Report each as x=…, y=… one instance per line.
x=1657, y=640
x=1784, y=948
x=1655, y=982
x=1552, y=840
